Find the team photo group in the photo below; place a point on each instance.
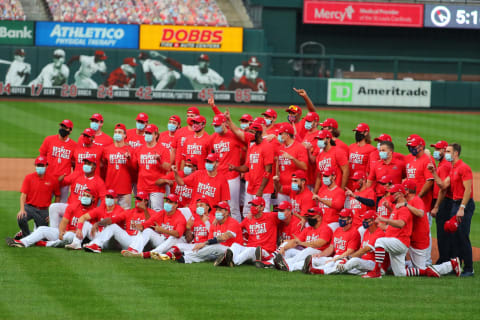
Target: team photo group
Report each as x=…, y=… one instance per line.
x=278, y=191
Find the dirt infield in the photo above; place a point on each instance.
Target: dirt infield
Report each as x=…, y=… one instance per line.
x=13, y=170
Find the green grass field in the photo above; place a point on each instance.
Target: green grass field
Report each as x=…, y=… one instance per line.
x=47, y=283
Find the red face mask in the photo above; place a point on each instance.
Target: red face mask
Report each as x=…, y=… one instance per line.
x=86, y=140
x=356, y=185
x=189, y=121
x=197, y=127
x=254, y=210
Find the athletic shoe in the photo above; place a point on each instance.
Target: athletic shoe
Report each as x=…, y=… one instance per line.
x=375, y=273
x=264, y=264
x=456, y=266
x=18, y=235
x=131, y=253
x=307, y=265
x=280, y=263
x=73, y=246
x=431, y=272
x=92, y=248
x=229, y=258
x=159, y=256
x=14, y=243
x=220, y=261
x=61, y=243
x=467, y=274
x=258, y=253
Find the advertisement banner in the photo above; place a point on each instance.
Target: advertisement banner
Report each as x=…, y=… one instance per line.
x=363, y=13
x=86, y=35
x=447, y=16
x=17, y=32
x=183, y=38
x=381, y=93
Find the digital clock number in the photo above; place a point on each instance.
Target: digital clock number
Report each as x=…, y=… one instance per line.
x=463, y=17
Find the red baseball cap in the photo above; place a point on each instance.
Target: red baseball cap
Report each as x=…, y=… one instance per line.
x=385, y=179
x=175, y=118
x=212, y=157
x=121, y=126
x=397, y=188
x=409, y=184
x=284, y=205
x=67, y=123
x=172, y=197
x=315, y=211
x=130, y=61
x=41, y=160
x=440, y=144
x=199, y=119
x=260, y=120
x=300, y=174
x=362, y=127
x=96, y=116
x=330, y=122
x=294, y=109
x=142, y=195
x=89, y=158
x=286, y=127
x=327, y=172
x=451, y=226
x=256, y=126
x=89, y=132
x=369, y=214
x=204, y=57
x=416, y=141
x=111, y=193
x=193, y=110
x=322, y=134
x=346, y=212
x=204, y=199
x=270, y=113
x=253, y=61
x=218, y=119
x=142, y=117
x=151, y=128
x=259, y=201
x=312, y=116
x=100, y=54
x=247, y=117
x=357, y=175
x=223, y=205
x=383, y=137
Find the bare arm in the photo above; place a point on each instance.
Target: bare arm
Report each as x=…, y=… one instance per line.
x=426, y=187
x=268, y=170
x=345, y=173
x=302, y=93
x=390, y=222
x=62, y=227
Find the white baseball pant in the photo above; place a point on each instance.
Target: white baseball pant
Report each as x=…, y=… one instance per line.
x=159, y=241
x=321, y=264
x=397, y=251
x=444, y=268
x=125, y=201
x=64, y=194
x=249, y=197
x=207, y=253
x=82, y=82
x=86, y=231
x=298, y=258
x=359, y=266
x=418, y=257
x=429, y=249
x=49, y=233
x=156, y=201
x=113, y=231
x=281, y=197
x=234, y=202
x=55, y=213
x=243, y=254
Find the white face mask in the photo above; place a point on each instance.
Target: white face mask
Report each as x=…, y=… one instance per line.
x=109, y=202
x=148, y=137
x=327, y=181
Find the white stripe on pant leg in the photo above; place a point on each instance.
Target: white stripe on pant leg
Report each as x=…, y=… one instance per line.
x=207, y=253
x=248, y=254
x=234, y=202
x=55, y=213
x=397, y=251
x=167, y=244
x=156, y=201
x=41, y=233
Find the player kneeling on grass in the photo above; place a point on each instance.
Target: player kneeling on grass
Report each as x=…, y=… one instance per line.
x=312, y=240
x=65, y=233
x=164, y=230
x=122, y=226
x=89, y=221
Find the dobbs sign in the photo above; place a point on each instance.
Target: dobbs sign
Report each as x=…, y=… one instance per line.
x=382, y=93
x=182, y=38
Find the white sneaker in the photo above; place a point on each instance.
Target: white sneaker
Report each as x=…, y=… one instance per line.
x=73, y=246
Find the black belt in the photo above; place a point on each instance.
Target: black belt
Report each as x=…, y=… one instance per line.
x=39, y=208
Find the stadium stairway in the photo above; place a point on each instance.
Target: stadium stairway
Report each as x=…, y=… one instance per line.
x=236, y=13
x=35, y=10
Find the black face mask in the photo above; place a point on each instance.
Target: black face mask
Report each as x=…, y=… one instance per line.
x=359, y=136
x=63, y=132
x=312, y=222
x=258, y=136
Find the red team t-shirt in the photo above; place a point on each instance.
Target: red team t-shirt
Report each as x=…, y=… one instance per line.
x=81, y=152
x=416, y=169
x=196, y=148
x=215, y=189
x=229, y=148
x=310, y=234
x=337, y=196
x=180, y=136
x=118, y=168
x=103, y=139
x=73, y=212
x=134, y=139
x=287, y=166
x=127, y=219
x=333, y=158
x=39, y=190
x=166, y=140
x=344, y=240
x=258, y=156
x=262, y=231
x=149, y=167
x=59, y=155
x=311, y=172
x=176, y=222
x=403, y=234
x=421, y=228
x=199, y=229
x=100, y=213
x=79, y=182
x=359, y=158
x=230, y=225
x=394, y=169
x=184, y=192
x=369, y=240
x=287, y=231
x=359, y=208
x=302, y=201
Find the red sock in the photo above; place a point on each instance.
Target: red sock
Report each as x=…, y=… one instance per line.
x=146, y=255
x=316, y=271
x=41, y=243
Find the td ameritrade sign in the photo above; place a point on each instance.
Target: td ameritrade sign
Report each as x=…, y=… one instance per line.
x=382, y=93
x=86, y=35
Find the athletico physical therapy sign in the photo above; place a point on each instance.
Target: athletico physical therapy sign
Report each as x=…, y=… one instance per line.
x=182, y=38
x=86, y=35
x=363, y=13
x=383, y=93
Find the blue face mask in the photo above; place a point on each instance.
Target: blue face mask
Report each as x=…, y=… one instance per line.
x=308, y=125
x=109, y=202
x=209, y=166
x=86, y=201
x=167, y=206
x=436, y=155
x=244, y=125
x=140, y=126
x=279, y=138
x=281, y=215
x=187, y=170
x=378, y=146
x=295, y=186
x=342, y=223
x=94, y=125
x=268, y=121
x=171, y=127
x=383, y=155
x=148, y=137
x=40, y=170
x=219, y=216
x=117, y=137
x=321, y=144
x=448, y=157
x=200, y=211
x=326, y=181
x=87, y=168
x=218, y=129
x=413, y=150
x=365, y=224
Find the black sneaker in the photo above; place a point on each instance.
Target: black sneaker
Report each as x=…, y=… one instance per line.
x=229, y=258
x=307, y=265
x=220, y=261
x=18, y=235
x=264, y=264
x=280, y=263
x=258, y=253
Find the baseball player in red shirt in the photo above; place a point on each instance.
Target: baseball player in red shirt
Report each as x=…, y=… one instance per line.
x=314, y=239
x=270, y=116
x=167, y=138
x=181, y=135
x=331, y=198
x=375, y=155
x=58, y=149
x=310, y=144
x=101, y=138
x=122, y=226
x=124, y=76
x=197, y=145
x=86, y=147
x=36, y=195
x=301, y=197
x=331, y=125
x=135, y=137
x=359, y=152
x=245, y=121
